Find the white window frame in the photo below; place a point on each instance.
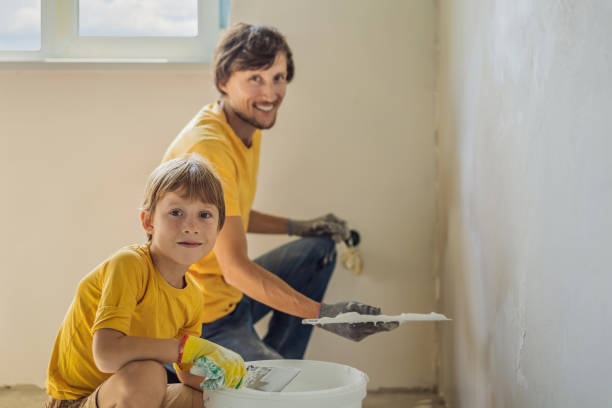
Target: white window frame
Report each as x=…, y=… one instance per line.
x=61, y=42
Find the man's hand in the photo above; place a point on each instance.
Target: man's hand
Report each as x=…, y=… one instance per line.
x=354, y=331
x=220, y=365
x=325, y=225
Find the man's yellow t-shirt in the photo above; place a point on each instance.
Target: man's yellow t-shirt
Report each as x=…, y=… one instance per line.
x=126, y=293
x=210, y=135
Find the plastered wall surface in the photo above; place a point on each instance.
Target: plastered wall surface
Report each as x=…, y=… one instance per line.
x=354, y=136
x=525, y=191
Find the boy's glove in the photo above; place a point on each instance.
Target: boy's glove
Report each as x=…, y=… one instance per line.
x=353, y=331
x=220, y=366
x=325, y=225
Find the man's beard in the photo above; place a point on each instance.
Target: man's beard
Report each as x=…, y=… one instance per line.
x=253, y=122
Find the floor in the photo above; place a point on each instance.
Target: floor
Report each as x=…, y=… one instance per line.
x=30, y=396
x=402, y=399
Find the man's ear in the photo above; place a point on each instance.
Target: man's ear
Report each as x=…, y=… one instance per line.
x=145, y=220
x=223, y=87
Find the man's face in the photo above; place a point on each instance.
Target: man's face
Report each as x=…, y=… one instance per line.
x=255, y=95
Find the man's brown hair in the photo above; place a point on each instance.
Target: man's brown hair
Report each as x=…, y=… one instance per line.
x=191, y=177
x=245, y=46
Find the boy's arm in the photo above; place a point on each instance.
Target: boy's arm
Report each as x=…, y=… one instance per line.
x=113, y=349
x=257, y=282
x=125, y=278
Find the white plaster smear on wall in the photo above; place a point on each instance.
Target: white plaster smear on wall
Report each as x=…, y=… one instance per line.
x=525, y=192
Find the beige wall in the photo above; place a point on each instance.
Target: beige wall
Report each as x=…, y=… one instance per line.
x=524, y=203
x=355, y=136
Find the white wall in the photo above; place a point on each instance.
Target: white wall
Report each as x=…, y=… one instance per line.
x=524, y=204
x=354, y=136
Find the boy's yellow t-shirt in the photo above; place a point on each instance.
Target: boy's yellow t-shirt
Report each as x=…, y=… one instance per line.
x=210, y=135
x=126, y=293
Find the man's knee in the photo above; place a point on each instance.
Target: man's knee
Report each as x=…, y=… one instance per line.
x=322, y=243
x=245, y=341
x=258, y=350
x=141, y=384
x=323, y=248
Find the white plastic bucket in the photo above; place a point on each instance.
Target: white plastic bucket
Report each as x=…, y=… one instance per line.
x=319, y=385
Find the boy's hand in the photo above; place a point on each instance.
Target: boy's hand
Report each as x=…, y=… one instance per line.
x=187, y=378
x=213, y=361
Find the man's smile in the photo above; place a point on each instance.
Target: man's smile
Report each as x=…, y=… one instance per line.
x=265, y=107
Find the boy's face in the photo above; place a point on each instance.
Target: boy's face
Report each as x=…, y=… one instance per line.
x=183, y=231
x=256, y=95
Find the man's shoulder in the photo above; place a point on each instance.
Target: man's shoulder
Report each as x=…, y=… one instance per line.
x=207, y=130
x=210, y=122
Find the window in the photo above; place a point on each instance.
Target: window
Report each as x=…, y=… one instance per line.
x=135, y=18
x=110, y=30
x=20, y=25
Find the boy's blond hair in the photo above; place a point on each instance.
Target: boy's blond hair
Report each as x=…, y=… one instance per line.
x=192, y=177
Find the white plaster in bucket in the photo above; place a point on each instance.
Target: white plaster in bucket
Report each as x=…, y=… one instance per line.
x=320, y=384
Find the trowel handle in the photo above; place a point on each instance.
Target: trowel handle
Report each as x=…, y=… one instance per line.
x=353, y=240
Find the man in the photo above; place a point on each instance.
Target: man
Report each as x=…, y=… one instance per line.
x=252, y=67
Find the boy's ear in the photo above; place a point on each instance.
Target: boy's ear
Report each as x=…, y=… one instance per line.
x=145, y=220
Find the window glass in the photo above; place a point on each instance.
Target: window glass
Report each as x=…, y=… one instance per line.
x=19, y=25
x=134, y=18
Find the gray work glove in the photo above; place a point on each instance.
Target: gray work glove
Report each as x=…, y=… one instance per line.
x=354, y=331
x=325, y=225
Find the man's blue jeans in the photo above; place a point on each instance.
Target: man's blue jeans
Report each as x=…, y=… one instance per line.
x=306, y=265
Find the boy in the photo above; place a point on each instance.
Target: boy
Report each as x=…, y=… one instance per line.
x=137, y=310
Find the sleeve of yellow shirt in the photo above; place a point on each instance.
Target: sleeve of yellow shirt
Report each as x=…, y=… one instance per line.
x=123, y=284
x=220, y=158
x=194, y=330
